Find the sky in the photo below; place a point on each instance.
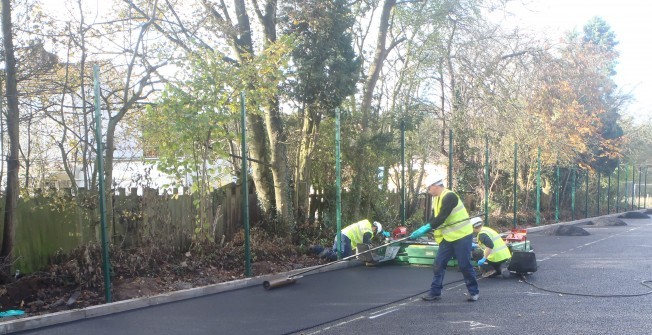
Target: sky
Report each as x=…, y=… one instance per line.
x=629, y=20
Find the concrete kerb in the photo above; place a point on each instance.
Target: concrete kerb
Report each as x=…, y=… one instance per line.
x=39, y=321
x=575, y=222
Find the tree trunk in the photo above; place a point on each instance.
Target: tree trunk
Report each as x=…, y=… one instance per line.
x=363, y=167
x=274, y=128
x=13, y=114
x=258, y=148
x=310, y=131
x=279, y=160
x=109, y=150
x=260, y=144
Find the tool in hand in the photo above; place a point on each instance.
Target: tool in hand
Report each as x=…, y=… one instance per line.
x=274, y=283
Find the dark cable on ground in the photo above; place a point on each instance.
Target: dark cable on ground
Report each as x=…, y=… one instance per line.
x=644, y=283
x=366, y=310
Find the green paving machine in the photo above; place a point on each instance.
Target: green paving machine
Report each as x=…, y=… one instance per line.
x=424, y=251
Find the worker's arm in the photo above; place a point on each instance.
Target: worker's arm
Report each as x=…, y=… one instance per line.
x=448, y=203
x=488, y=244
x=366, y=238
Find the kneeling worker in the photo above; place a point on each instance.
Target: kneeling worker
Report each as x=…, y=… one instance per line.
x=359, y=232
x=495, y=250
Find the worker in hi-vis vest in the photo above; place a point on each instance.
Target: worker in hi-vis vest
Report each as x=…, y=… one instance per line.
x=495, y=251
x=454, y=234
x=352, y=235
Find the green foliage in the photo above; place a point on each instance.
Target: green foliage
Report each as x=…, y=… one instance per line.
x=326, y=67
x=191, y=127
x=195, y=123
x=598, y=35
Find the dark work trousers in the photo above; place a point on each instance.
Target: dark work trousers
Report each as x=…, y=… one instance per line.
x=347, y=250
x=461, y=249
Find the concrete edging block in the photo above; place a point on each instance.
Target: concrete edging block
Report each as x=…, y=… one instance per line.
x=39, y=321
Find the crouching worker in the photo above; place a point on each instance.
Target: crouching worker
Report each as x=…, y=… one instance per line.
x=359, y=232
x=495, y=251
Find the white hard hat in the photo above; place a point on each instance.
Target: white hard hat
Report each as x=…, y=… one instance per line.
x=379, y=227
x=434, y=179
x=476, y=221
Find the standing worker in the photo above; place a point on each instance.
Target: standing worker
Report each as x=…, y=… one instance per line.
x=353, y=234
x=495, y=250
x=453, y=238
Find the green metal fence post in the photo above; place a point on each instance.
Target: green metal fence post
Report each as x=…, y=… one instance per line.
x=645, y=195
x=245, y=188
x=638, y=204
x=618, y=188
x=100, y=171
x=338, y=183
x=557, y=195
x=633, y=185
x=486, y=180
x=403, y=173
x=609, y=193
x=598, y=204
x=515, y=181
x=573, y=194
x=450, y=159
x=626, y=190
x=538, y=218
x=586, y=197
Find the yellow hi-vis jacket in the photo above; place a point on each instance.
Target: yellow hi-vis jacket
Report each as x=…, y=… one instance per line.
x=499, y=252
x=355, y=232
x=454, y=232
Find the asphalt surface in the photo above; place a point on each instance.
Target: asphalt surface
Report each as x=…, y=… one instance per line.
x=385, y=299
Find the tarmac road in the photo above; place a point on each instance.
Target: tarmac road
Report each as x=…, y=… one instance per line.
x=610, y=261
x=384, y=300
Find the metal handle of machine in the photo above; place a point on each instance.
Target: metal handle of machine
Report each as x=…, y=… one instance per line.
x=269, y=284
x=378, y=247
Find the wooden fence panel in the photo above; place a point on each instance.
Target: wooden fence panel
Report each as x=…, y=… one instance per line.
x=48, y=224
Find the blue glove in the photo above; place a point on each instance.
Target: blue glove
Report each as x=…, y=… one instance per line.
x=386, y=234
x=482, y=261
x=421, y=231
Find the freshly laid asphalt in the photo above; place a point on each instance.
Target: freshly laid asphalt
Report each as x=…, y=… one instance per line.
x=385, y=299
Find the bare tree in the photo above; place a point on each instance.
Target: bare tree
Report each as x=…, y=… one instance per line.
x=12, y=115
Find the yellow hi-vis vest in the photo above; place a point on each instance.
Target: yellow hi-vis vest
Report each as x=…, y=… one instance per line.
x=355, y=232
x=454, y=232
x=500, y=252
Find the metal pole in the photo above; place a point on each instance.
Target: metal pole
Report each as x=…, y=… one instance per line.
x=403, y=173
x=538, y=219
x=557, y=195
x=338, y=189
x=245, y=189
x=609, y=194
x=638, y=204
x=486, y=180
x=573, y=195
x=450, y=159
x=598, y=194
x=515, y=173
x=586, y=197
x=645, y=198
x=618, y=189
x=100, y=171
x=626, y=190
x=633, y=181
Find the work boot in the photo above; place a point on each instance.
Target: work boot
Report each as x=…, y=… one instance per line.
x=473, y=298
x=431, y=297
x=327, y=253
x=315, y=249
x=489, y=273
